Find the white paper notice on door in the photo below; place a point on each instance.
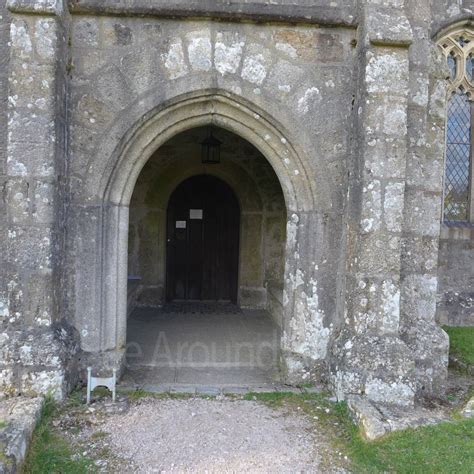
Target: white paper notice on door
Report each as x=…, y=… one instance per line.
x=195, y=214
x=181, y=224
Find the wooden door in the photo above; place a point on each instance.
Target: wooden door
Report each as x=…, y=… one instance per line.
x=203, y=223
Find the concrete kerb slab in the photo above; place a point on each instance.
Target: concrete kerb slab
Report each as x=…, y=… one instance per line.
x=468, y=410
x=18, y=417
x=213, y=390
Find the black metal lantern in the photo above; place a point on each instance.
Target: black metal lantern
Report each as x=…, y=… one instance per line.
x=211, y=150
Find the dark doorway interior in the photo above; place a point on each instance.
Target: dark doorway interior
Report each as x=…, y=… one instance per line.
x=203, y=221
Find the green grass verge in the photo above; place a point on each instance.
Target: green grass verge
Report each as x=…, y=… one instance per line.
x=461, y=340
x=50, y=453
x=443, y=448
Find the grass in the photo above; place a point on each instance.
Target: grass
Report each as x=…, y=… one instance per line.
x=49, y=453
x=3, y=424
x=461, y=341
x=443, y=448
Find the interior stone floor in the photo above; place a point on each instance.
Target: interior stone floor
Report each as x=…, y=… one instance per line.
x=188, y=346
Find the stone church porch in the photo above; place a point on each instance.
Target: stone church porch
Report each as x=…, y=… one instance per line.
x=332, y=134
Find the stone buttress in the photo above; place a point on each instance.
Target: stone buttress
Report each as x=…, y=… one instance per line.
x=36, y=347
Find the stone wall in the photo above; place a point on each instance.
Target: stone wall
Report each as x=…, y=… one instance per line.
x=4, y=60
x=322, y=12
x=117, y=80
x=37, y=344
x=456, y=277
x=423, y=200
x=5, y=374
x=345, y=100
x=375, y=211
x=446, y=12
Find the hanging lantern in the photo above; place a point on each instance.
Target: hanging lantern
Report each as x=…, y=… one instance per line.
x=211, y=150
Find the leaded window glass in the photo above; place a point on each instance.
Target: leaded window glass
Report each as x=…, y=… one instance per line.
x=458, y=158
x=458, y=47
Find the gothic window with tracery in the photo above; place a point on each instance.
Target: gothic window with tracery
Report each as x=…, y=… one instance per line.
x=458, y=47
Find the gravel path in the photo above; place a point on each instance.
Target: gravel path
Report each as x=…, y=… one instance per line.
x=199, y=435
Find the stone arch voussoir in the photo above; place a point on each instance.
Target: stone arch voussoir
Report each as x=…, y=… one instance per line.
x=113, y=179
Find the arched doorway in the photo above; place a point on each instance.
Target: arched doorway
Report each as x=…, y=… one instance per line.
x=207, y=260
x=202, y=249
x=100, y=310
x=245, y=225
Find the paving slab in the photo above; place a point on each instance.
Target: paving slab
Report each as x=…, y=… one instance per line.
x=201, y=344
x=379, y=419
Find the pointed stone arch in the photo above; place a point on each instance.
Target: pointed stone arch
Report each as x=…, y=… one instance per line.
x=101, y=265
x=113, y=178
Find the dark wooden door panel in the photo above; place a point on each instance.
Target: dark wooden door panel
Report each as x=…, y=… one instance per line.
x=202, y=253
